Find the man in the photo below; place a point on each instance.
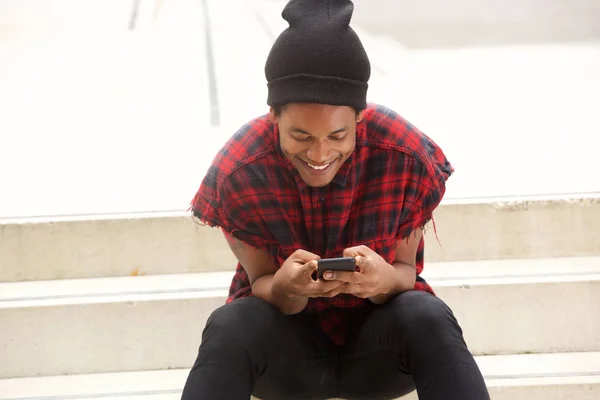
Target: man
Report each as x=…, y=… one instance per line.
x=325, y=175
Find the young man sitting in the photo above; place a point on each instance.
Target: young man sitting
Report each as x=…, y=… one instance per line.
x=327, y=175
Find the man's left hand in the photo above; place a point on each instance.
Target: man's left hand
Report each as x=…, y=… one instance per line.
x=374, y=277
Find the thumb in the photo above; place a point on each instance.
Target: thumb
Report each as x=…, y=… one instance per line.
x=312, y=265
x=362, y=263
x=310, y=269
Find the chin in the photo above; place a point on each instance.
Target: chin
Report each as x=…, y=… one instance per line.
x=317, y=183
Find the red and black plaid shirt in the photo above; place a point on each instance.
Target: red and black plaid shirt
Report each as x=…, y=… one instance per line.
x=388, y=187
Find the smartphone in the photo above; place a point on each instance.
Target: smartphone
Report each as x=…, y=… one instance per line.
x=336, y=264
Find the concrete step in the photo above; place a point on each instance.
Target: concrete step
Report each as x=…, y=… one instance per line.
x=155, y=322
x=171, y=243
x=513, y=377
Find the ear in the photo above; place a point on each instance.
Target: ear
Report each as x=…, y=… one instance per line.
x=272, y=115
x=359, y=116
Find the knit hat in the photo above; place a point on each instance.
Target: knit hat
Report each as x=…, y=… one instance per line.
x=318, y=58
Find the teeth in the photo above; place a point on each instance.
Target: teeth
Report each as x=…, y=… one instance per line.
x=318, y=167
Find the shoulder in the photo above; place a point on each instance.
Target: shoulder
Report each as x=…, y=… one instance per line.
x=389, y=132
x=250, y=142
x=248, y=145
x=240, y=156
x=410, y=159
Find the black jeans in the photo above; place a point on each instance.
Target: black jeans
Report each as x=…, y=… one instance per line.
x=413, y=341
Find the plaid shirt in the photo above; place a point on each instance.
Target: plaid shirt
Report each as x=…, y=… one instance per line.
x=387, y=188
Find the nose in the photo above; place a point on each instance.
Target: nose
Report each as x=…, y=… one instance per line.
x=319, y=152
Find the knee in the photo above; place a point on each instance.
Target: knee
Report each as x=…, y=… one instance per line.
x=246, y=319
x=421, y=315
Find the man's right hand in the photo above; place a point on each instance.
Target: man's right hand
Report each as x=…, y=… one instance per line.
x=295, y=278
x=287, y=287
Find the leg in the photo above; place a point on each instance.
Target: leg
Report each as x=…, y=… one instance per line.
x=249, y=347
x=373, y=376
x=415, y=334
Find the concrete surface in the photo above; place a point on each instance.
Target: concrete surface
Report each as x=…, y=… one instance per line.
x=169, y=243
x=531, y=377
x=101, y=337
x=105, y=135
x=147, y=323
x=111, y=246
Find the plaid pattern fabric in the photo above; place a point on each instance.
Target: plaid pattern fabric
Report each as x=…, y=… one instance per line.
x=388, y=187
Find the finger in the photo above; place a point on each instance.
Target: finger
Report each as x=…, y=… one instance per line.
x=351, y=252
x=357, y=251
x=305, y=256
x=319, y=288
x=364, y=251
x=311, y=265
x=343, y=276
x=363, y=264
x=332, y=293
x=355, y=290
x=338, y=290
x=310, y=269
x=348, y=288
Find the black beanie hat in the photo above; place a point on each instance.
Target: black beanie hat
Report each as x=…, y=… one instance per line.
x=318, y=58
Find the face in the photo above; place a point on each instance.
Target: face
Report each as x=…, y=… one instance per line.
x=317, y=138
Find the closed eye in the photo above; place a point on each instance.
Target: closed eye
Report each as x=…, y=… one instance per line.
x=301, y=137
x=338, y=137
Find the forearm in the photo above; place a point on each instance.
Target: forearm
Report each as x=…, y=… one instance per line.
x=289, y=305
x=402, y=279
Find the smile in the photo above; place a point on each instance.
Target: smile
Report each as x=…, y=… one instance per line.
x=318, y=167
x=315, y=169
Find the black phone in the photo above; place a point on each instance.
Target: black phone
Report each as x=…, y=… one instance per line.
x=336, y=264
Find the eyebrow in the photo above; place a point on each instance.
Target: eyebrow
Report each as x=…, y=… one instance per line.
x=298, y=130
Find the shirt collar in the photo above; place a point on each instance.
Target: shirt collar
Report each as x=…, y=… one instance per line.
x=341, y=178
